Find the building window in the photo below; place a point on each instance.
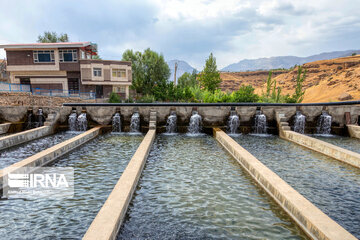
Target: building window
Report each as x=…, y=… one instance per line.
x=121, y=89
x=97, y=72
x=68, y=55
x=44, y=56
x=119, y=73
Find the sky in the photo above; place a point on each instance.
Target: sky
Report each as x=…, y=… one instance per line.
x=190, y=30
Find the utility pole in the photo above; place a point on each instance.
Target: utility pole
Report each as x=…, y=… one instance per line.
x=176, y=65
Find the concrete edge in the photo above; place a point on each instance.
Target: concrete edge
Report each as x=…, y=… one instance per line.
x=49, y=155
x=24, y=136
x=315, y=223
x=328, y=149
x=4, y=127
x=110, y=217
x=354, y=130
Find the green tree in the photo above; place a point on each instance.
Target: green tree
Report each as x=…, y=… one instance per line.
x=298, y=96
x=149, y=70
x=96, y=57
x=52, y=37
x=210, y=77
x=188, y=80
x=245, y=94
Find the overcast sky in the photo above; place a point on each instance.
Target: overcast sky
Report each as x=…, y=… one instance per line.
x=189, y=30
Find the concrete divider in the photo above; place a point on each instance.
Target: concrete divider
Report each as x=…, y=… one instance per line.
x=24, y=136
x=4, y=128
x=110, y=217
x=354, y=130
x=312, y=220
x=47, y=156
x=325, y=148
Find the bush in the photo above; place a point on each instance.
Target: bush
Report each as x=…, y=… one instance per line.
x=245, y=94
x=114, y=98
x=146, y=99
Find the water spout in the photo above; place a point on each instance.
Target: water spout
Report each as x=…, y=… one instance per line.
x=82, y=122
x=29, y=123
x=233, y=123
x=72, y=122
x=116, y=123
x=260, y=123
x=171, y=123
x=324, y=124
x=299, y=123
x=40, y=118
x=135, y=123
x=195, y=124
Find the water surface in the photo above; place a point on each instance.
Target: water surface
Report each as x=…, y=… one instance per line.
x=332, y=186
x=17, y=153
x=192, y=189
x=352, y=144
x=98, y=165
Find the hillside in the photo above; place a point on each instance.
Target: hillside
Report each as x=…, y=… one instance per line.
x=327, y=80
x=283, y=61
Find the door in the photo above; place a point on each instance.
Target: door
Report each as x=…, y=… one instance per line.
x=73, y=85
x=99, y=91
x=26, y=81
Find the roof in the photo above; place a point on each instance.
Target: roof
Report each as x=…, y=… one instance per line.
x=45, y=45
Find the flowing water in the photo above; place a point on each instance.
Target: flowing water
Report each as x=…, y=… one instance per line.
x=72, y=122
x=135, y=123
x=324, y=124
x=330, y=185
x=171, y=123
x=82, y=123
x=116, y=123
x=233, y=123
x=260, y=126
x=98, y=165
x=17, y=153
x=352, y=144
x=192, y=189
x=40, y=118
x=195, y=125
x=299, y=122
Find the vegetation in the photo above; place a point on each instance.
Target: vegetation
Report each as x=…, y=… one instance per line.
x=151, y=83
x=52, y=37
x=209, y=78
x=150, y=72
x=354, y=54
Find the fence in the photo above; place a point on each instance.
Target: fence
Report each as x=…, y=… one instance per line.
x=11, y=87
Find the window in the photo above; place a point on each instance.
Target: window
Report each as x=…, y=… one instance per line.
x=44, y=56
x=68, y=55
x=119, y=73
x=97, y=72
x=121, y=89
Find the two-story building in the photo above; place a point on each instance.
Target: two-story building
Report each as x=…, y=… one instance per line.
x=67, y=66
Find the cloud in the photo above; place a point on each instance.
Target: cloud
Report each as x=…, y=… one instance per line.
x=191, y=29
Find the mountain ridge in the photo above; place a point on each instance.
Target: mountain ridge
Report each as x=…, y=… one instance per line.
x=285, y=62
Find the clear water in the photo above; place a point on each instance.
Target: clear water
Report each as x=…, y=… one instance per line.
x=332, y=186
x=82, y=122
x=348, y=143
x=98, y=165
x=17, y=153
x=260, y=126
x=135, y=123
x=299, y=122
x=72, y=122
x=171, y=123
x=195, y=124
x=116, y=123
x=233, y=123
x=192, y=189
x=324, y=124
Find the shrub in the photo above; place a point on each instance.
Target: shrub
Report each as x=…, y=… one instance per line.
x=114, y=98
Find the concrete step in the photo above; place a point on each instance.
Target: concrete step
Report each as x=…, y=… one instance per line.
x=286, y=128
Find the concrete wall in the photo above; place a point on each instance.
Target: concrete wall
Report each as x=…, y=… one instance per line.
x=212, y=116
x=4, y=127
x=110, y=217
x=354, y=131
x=312, y=220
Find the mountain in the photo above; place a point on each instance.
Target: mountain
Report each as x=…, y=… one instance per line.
x=181, y=69
x=283, y=61
x=335, y=79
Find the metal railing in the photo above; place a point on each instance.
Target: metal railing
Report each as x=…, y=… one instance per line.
x=12, y=87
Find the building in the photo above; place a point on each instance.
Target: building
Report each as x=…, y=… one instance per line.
x=67, y=66
x=3, y=74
